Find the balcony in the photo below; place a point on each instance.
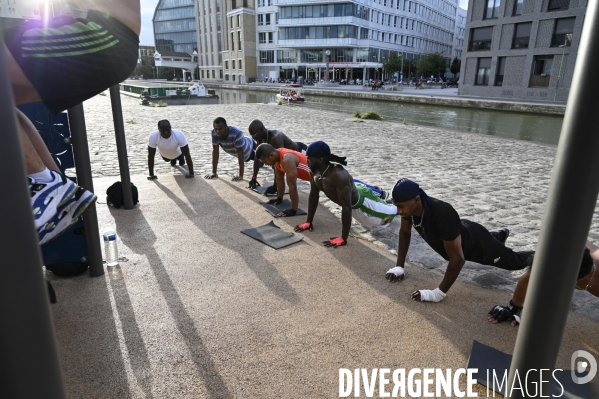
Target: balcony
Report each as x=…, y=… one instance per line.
x=318, y=42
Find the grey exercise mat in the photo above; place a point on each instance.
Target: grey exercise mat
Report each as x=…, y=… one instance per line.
x=263, y=187
x=272, y=235
x=276, y=209
x=486, y=358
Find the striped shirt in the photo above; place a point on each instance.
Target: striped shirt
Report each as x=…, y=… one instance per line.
x=234, y=140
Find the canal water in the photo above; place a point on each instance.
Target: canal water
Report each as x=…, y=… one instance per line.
x=513, y=125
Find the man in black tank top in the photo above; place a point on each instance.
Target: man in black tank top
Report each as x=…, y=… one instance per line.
x=455, y=240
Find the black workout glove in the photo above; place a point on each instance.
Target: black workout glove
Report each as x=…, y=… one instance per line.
x=253, y=183
x=275, y=201
x=503, y=313
x=288, y=212
x=271, y=190
x=152, y=177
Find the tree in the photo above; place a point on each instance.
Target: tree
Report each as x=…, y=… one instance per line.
x=432, y=62
x=145, y=71
x=393, y=64
x=455, y=66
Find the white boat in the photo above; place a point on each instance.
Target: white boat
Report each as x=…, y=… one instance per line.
x=291, y=92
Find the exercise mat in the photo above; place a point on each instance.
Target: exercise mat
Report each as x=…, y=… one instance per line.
x=276, y=209
x=272, y=235
x=490, y=361
x=263, y=187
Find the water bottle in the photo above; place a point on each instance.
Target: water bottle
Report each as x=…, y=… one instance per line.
x=110, y=249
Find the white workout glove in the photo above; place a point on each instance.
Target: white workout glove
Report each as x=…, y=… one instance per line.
x=395, y=273
x=435, y=295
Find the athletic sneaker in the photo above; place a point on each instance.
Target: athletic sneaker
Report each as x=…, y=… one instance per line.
x=47, y=197
x=530, y=256
x=501, y=235
x=66, y=215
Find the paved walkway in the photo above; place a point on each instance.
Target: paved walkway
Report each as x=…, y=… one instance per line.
x=496, y=182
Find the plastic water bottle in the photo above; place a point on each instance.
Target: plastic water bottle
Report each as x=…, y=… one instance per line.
x=110, y=249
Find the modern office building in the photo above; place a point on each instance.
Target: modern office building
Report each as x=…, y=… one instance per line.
x=296, y=38
x=175, y=26
x=460, y=33
x=521, y=49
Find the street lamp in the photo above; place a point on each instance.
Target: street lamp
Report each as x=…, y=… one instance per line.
x=402, y=54
x=561, y=63
x=328, y=53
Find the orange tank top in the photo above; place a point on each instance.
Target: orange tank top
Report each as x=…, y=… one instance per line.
x=303, y=171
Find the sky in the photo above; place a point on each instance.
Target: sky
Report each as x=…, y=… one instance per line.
x=146, y=37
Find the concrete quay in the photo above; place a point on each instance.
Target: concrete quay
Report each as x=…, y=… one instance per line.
x=432, y=96
x=496, y=182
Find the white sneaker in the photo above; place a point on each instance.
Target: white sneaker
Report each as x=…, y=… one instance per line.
x=66, y=215
x=47, y=197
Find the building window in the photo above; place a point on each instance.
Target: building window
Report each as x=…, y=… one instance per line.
x=541, y=71
x=492, y=10
x=226, y=76
x=213, y=74
x=232, y=23
x=240, y=65
x=517, y=7
x=233, y=78
x=483, y=70
x=270, y=2
x=232, y=41
x=562, y=35
x=232, y=64
x=267, y=19
x=262, y=37
x=202, y=72
x=221, y=73
x=500, y=71
x=260, y=19
x=270, y=37
x=556, y=5
x=239, y=21
x=267, y=57
x=226, y=64
x=480, y=38
x=522, y=35
x=239, y=38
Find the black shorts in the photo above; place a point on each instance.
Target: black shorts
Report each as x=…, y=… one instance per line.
x=301, y=147
x=69, y=60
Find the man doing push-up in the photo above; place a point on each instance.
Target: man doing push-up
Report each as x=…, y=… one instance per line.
x=366, y=203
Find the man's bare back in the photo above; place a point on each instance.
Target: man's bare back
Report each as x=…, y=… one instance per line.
x=332, y=184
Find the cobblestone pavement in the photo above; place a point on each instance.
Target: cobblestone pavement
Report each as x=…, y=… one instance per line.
x=496, y=182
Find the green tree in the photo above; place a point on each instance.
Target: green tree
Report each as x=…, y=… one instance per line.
x=393, y=64
x=145, y=71
x=432, y=62
x=455, y=66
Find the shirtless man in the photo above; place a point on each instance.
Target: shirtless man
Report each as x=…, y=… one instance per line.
x=356, y=198
x=288, y=164
x=588, y=280
x=275, y=138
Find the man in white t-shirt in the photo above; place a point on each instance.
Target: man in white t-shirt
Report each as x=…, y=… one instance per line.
x=172, y=145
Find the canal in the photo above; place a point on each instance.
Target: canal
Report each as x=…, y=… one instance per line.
x=512, y=125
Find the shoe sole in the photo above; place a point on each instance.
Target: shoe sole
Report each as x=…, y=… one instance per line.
x=82, y=207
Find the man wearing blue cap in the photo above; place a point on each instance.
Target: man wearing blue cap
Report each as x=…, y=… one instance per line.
x=366, y=203
x=455, y=240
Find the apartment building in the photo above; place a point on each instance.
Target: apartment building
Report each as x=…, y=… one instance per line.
x=296, y=38
x=239, y=57
x=211, y=27
x=521, y=49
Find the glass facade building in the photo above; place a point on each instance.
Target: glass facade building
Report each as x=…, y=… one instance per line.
x=175, y=26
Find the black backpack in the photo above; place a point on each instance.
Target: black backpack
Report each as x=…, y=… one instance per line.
x=114, y=194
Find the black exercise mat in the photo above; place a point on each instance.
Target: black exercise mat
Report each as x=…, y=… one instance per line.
x=276, y=209
x=272, y=235
x=263, y=187
x=486, y=358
